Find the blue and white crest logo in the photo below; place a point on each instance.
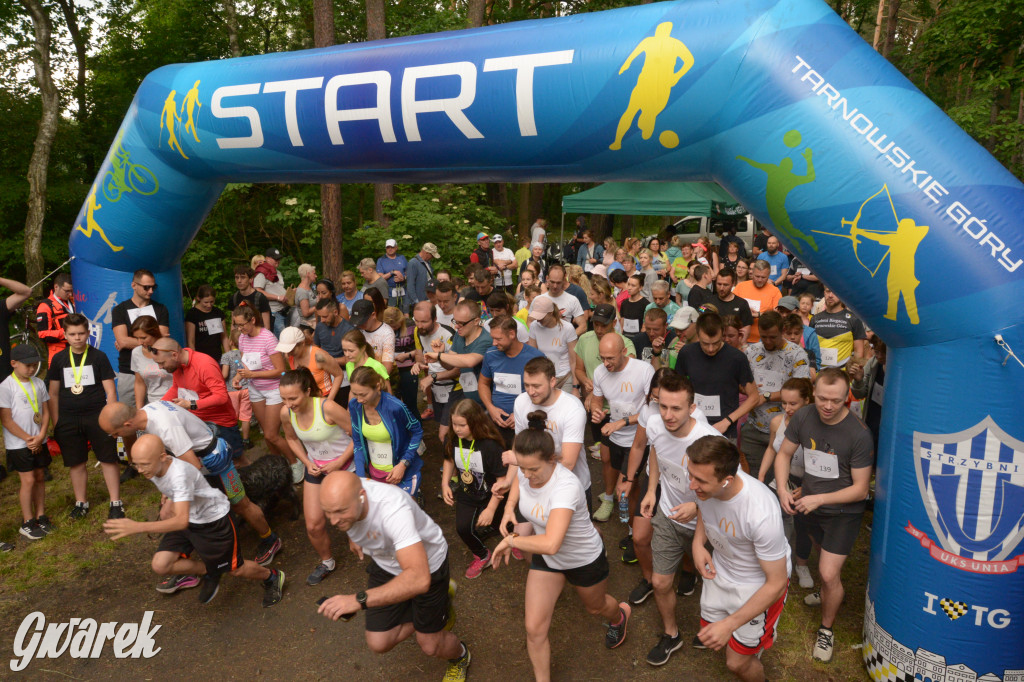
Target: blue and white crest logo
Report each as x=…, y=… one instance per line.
x=972, y=486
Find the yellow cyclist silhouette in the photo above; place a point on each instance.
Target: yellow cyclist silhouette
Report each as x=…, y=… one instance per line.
x=90, y=222
x=191, y=103
x=170, y=117
x=902, y=253
x=654, y=84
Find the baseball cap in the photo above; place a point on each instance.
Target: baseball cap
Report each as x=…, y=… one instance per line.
x=790, y=303
x=536, y=245
x=482, y=235
x=290, y=337
x=542, y=306
x=430, y=248
x=600, y=270
x=604, y=313
x=497, y=238
x=361, y=311
x=273, y=252
x=26, y=354
x=683, y=318
x=431, y=286
x=390, y=242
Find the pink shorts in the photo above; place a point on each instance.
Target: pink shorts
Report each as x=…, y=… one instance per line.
x=240, y=399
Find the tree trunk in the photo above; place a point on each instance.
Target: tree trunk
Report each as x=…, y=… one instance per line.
x=475, y=13
x=878, y=24
x=891, y=24
x=375, y=30
x=332, y=246
x=523, y=218
x=40, y=161
x=231, y=16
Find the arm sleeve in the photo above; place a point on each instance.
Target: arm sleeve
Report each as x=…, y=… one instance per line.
x=45, y=325
x=490, y=452
x=400, y=527
x=380, y=266
x=163, y=317
x=103, y=368
x=212, y=379
x=359, y=451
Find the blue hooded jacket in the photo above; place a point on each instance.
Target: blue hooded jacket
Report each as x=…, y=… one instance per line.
x=406, y=435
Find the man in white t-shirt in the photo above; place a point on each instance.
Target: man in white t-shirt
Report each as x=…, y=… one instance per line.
x=746, y=577
x=409, y=578
x=567, y=419
x=674, y=515
x=194, y=518
x=440, y=385
x=380, y=336
x=505, y=261
x=446, y=297
x=567, y=304
x=622, y=383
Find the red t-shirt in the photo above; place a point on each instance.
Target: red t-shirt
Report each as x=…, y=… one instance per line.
x=200, y=374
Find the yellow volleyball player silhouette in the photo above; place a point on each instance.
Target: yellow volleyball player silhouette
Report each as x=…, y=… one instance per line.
x=90, y=222
x=189, y=107
x=654, y=84
x=170, y=117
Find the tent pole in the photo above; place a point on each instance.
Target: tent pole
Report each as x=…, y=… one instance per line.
x=561, y=233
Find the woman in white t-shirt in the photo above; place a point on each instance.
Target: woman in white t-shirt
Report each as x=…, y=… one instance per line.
x=565, y=545
x=151, y=382
x=554, y=337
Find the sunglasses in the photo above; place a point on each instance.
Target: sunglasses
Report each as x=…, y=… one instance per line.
x=146, y=287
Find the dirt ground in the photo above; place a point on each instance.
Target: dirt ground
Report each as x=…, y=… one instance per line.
x=233, y=637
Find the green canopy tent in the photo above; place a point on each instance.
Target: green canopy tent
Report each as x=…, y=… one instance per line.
x=653, y=198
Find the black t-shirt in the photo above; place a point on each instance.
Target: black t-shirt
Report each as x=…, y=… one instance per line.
x=120, y=315
x=5, y=341
x=737, y=306
x=720, y=375
x=255, y=299
x=699, y=296
x=761, y=241
x=483, y=257
x=92, y=398
x=207, y=343
x=329, y=338
x=633, y=311
x=644, y=349
x=479, y=490
x=816, y=288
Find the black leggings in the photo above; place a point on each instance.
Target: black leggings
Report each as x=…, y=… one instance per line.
x=466, y=513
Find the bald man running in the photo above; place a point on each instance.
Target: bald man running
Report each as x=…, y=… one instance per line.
x=408, y=589
x=196, y=518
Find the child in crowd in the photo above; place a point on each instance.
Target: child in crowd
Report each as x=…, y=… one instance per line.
x=229, y=364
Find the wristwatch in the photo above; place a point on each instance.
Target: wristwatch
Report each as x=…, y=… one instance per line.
x=192, y=405
x=361, y=598
x=767, y=396
x=432, y=375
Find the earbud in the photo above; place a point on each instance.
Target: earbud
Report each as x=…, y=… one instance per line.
x=726, y=484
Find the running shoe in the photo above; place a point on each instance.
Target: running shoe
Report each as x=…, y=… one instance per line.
x=44, y=524
x=478, y=565
x=804, y=573
x=210, y=584
x=626, y=541
x=268, y=549
x=79, y=511
x=813, y=599
x=173, y=583
x=273, y=588
x=517, y=555
x=456, y=671
x=6, y=547
x=31, y=530
x=629, y=553
x=664, y=649
x=616, y=634
x=427, y=414
x=129, y=473
x=641, y=592
x=319, y=573
x=697, y=644
x=116, y=510
x=595, y=451
x=452, y=587
x=824, y=645
x=298, y=472
x=687, y=583
x=604, y=512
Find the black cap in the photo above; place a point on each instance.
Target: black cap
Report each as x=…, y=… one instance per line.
x=26, y=354
x=431, y=286
x=273, y=252
x=604, y=313
x=361, y=311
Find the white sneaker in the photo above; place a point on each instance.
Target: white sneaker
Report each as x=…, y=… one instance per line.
x=604, y=512
x=595, y=451
x=298, y=472
x=813, y=599
x=804, y=573
x=824, y=645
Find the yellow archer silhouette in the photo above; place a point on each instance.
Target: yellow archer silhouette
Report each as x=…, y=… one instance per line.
x=170, y=117
x=189, y=106
x=654, y=84
x=90, y=222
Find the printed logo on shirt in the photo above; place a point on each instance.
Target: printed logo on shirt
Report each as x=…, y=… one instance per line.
x=627, y=387
x=538, y=512
x=727, y=527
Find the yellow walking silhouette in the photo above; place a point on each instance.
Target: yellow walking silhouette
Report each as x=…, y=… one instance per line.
x=191, y=103
x=654, y=84
x=170, y=117
x=902, y=253
x=90, y=222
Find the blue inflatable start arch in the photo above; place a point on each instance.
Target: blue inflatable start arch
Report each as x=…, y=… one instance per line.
x=781, y=103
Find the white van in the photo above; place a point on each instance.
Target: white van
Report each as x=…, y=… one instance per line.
x=694, y=226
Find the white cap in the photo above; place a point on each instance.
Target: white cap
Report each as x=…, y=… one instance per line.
x=390, y=242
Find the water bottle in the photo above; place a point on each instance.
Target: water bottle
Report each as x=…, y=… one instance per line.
x=244, y=382
x=624, y=508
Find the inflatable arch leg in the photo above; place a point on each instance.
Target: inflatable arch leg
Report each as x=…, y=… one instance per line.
x=853, y=168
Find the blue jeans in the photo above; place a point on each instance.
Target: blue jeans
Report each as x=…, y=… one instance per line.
x=278, y=321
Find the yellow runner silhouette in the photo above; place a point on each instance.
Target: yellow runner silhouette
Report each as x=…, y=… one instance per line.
x=90, y=222
x=191, y=103
x=654, y=84
x=170, y=117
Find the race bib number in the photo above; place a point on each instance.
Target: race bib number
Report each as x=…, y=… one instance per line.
x=775, y=270
x=878, y=393
x=617, y=410
x=772, y=381
x=319, y=451
x=214, y=325
x=476, y=461
x=441, y=393
x=803, y=271
x=829, y=357
x=674, y=473
x=821, y=464
x=589, y=267
x=252, y=361
x=136, y=313
x=711, y=405
x=88, y=377
x=505, y=382
x=755, y=305
x=397, y=292
x=468, y=381
x=185, y=394
x=630, y=326
x=381, y=455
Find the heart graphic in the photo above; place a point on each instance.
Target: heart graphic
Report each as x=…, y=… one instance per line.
x=953, y=609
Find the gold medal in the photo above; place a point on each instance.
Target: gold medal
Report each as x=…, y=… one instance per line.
x=77, y=372
x=37, y=418
x=77, y=389
x=467, y=477
x=466, y=457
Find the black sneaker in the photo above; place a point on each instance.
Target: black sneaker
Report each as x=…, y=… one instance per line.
x=79, y=511
x=6, y=547
x=31, y=530
x=687, y=583
x=664, y=649
x=116, y=510
x=626, y=541
x=44, y=524
x=641, y=592
x=319, y=573
x=629, y=553
x=697, y=644
x=616, y=634
x=129, y=473
x=273, y=588
x=208, y=588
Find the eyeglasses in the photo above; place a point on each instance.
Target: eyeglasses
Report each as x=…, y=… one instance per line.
x=463, y=324
x=146, y=287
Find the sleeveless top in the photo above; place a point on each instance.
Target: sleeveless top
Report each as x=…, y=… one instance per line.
x=324, y=442
x=796, y=465
x=322, y=377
